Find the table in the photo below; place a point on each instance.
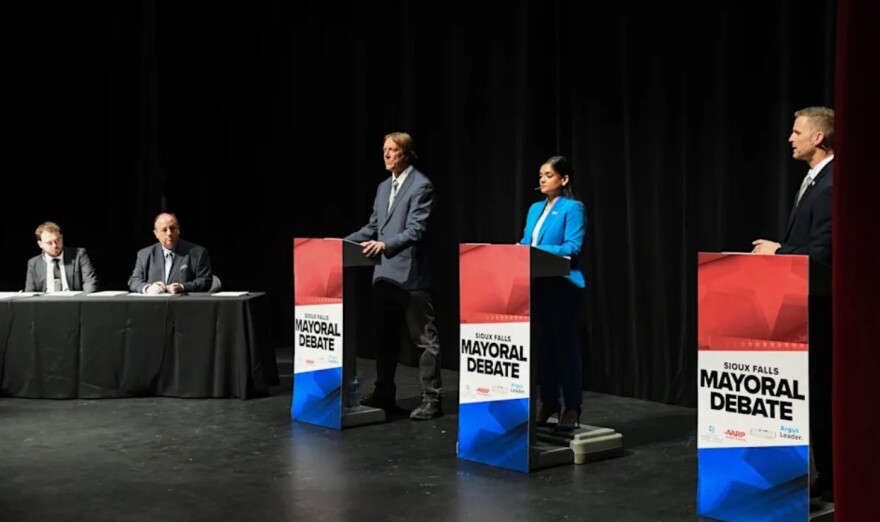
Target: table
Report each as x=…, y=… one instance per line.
x=124, y=346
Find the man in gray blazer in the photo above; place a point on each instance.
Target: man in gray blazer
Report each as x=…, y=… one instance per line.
x=172, y=265
x=396, y=233
x=57, y=268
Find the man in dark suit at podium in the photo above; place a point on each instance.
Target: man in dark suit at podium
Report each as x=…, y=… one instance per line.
x=809, y=233
x=172, y=265
x=57, y=268
x=396, y=233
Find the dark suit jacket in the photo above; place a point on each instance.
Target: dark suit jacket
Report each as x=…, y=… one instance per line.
x=78, y=268
x=191, y=268
x=403, y=229
x=809, y=225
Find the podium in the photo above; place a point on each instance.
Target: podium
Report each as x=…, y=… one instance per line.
x=753, y=387
x=325, y=334
x=497, y=389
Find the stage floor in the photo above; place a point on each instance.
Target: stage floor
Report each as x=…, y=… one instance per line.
x=169, y=459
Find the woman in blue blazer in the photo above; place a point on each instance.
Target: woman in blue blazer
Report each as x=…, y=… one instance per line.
x=557, y=224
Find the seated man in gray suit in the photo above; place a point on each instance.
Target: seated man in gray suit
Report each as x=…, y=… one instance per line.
x=172, y=265
x=396, y=233
x=57, y=268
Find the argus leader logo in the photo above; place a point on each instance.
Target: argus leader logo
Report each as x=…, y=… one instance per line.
x=516, y=387
x=790, y=433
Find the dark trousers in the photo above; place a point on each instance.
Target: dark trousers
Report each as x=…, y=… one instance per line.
x=821, y=342
x=555, y=309
x=402, y=316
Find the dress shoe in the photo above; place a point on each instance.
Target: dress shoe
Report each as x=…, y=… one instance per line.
x=570, y=420
x=427, y=410
x=545, y=413
x=381, y=401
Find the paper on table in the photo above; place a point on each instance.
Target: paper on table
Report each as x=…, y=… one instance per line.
x=108, y=293
x=166, y=294
x=229, y=294
x=68, y=293
x=7, y=295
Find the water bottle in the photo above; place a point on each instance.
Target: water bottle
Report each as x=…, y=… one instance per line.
x=354, y=393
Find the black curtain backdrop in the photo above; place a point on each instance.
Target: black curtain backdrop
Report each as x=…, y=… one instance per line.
x=259, y=122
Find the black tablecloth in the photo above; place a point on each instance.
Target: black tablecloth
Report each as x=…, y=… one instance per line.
x=101, y=347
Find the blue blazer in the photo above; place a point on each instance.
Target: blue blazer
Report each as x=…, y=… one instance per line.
x=562, y=233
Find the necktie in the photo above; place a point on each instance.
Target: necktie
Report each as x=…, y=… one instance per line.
x=56, y=273
x=394, y=185
x=803, y=189
x=169, y=258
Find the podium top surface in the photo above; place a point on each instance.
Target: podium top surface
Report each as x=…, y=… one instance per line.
x=353, y=255
x=540, y=262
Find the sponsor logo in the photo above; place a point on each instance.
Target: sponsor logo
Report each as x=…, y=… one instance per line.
x=468, y=391
x=499, y=390
x=517, y=388
x=762, y=433
x=735, y=434
x=790, y=433
x=334, y=359
x=711, y=436
x=310, y=362
x=482, y=390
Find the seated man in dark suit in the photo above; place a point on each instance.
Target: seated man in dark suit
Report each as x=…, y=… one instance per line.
x=172, y=265
x=57, y=268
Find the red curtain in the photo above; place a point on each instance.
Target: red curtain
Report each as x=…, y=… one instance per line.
x=856, y=262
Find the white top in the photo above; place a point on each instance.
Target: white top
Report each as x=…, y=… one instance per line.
x=540, y=222
x=50, y=273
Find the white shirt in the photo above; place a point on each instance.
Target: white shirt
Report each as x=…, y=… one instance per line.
x=540, y=222
x=50, y=273
x=818, y=168
x=400, y=179
x=810, y=178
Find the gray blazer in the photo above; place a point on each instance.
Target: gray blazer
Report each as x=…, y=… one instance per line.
x=403, y=229
x=78, y=268
x=191, y=268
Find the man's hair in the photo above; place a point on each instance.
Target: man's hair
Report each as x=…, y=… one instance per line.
x=821, y=120
x=160, y=214
x=406, y=143
x=48, y=226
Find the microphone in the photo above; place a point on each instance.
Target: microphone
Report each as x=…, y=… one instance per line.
x=537, y=189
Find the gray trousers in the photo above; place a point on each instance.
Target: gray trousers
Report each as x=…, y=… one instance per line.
x=402, y=316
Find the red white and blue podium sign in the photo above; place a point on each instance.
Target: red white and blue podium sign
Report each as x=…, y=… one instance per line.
x=317, y=348
x=753, y=397
x=494, y=386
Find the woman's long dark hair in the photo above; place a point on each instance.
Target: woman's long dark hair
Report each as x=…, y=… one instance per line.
x=563, y=168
